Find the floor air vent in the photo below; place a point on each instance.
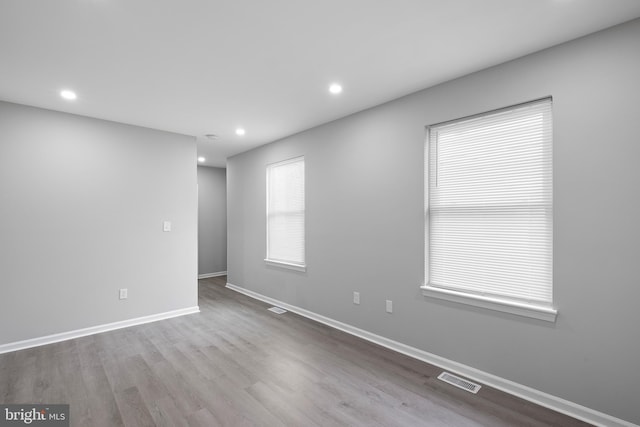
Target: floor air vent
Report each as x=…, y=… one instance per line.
x=459, y=382
x=278, y=310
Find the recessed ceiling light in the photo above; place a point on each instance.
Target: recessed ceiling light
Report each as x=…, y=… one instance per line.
x=240, y=131
x=335, y=88
x=201, y=159
x=68, y=94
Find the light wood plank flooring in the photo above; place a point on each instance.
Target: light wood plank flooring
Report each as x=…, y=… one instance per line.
x=237, y=364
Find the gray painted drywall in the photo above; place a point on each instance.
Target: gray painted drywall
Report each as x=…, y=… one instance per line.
x=82, y=204
x=364, y=195
x=212, y=220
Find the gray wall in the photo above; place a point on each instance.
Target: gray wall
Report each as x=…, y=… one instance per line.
x=365, y=224
x=212, y=220
x=82, y=202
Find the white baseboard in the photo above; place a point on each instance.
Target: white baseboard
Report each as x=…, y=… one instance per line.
x=50, y=339
x=532, y=395
x=207, y=275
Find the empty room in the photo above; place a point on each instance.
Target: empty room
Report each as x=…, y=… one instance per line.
x=320, y=213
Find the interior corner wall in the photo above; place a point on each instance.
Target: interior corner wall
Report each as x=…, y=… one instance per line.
x=82, y=205
x=365, y=221
x=212, y=220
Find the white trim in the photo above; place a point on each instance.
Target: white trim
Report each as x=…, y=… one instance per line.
x=532, y=395
x=208, y=275
x=282, y=264
x=520, y=308
x=286, y=161
x=63, y=336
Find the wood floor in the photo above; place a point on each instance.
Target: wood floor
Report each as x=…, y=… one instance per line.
x=237, y=364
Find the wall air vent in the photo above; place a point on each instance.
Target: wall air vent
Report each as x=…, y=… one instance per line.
x=456, y=381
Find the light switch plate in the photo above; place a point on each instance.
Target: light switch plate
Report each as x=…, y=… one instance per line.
x=124, y=293
x=166, y=226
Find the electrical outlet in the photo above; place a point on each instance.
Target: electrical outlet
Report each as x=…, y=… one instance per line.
x=124, y=294
x=356, y=297
x=166, y=226
x=389, y=306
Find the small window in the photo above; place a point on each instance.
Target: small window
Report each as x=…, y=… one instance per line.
x=489, y=217
x=286, y=214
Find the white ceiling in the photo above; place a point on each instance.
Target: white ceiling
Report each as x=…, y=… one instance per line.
x=208, y=66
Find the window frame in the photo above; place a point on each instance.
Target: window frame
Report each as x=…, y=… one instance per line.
x=492, y=302
x=274, y=262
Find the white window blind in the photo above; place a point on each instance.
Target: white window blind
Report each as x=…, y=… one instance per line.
x=285, y=212
x=489, y=218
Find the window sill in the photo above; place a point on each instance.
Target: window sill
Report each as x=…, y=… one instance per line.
x=521, y=309
x=287, y=265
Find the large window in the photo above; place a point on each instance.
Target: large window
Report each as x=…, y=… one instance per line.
x=489, y=219
x=285, y=214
